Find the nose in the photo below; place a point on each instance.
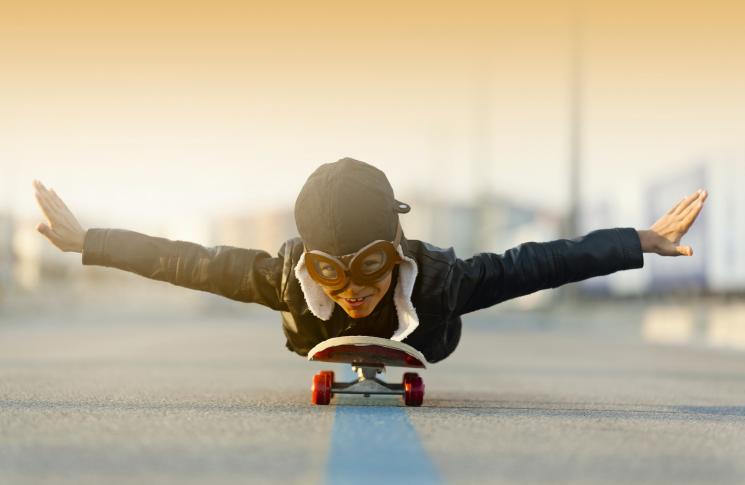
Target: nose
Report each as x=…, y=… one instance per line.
x=352, y=290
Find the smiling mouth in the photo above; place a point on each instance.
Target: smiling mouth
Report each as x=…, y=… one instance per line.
x=355, y=300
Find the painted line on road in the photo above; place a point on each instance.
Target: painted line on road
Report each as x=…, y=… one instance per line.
x=376, y=444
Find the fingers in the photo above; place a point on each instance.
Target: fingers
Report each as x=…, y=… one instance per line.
x=675, y=207
x=691, y=213
x=61, y=227
x=41, y=191
x=687, y=201
x=44, y=204
x=49, y=234
x=684, y=250
x=687, y=216
x=694, y=208
x=57, y=199
x=49, y=195
x=49, y=201
x=44, y=229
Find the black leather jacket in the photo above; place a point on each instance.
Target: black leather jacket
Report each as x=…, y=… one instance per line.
x=446, y=286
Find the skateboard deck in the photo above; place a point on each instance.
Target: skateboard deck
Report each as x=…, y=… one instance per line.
x=368, y=356
x=361, y=350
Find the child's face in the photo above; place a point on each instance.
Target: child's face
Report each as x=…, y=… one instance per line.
x=371, y=294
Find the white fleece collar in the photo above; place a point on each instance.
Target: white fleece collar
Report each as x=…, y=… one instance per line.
x=322, y=306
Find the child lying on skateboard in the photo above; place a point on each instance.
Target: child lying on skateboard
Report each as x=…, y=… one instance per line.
x=353, y=272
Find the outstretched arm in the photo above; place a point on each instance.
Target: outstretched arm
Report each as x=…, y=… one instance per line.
x=664, y=236
x=248, y=275
x=487, y=278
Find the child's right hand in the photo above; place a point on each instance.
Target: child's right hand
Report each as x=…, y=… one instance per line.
x=62, y=228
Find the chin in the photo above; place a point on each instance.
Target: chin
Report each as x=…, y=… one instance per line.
x=357, y=314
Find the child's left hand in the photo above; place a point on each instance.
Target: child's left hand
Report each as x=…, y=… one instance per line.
x=664, y=235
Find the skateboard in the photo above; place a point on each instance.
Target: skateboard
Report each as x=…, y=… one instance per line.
x=368, y=357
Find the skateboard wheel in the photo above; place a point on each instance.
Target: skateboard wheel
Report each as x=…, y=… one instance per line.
x=413, y=389
x=330, y=376
x=320, y=392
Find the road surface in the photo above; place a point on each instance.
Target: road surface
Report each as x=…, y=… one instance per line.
x=202, y=399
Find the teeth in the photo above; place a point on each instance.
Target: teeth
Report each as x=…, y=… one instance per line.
x=355, y=300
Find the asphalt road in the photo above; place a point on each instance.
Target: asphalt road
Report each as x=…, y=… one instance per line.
x=220, y=400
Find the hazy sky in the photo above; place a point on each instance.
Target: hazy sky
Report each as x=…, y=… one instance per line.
x=140, y=112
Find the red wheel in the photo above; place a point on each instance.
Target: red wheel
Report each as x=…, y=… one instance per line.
x=330, y=376
x=409, y=375
x=320, y=392
x=413, y=389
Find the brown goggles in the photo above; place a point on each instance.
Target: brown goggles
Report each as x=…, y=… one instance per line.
x=365, y=267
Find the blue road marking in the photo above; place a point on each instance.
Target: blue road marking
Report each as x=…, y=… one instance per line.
x=376, y=444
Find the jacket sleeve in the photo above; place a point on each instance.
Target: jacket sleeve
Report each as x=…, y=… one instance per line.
x=247, y=275
x=487, y=279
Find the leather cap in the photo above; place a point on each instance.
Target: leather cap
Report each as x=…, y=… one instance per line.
x=344, y=206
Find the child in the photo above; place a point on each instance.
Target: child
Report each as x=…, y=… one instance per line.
x=353, y=272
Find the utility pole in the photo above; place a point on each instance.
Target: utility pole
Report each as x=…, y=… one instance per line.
x=576, y=107
x=482, y=159
x=570, y=226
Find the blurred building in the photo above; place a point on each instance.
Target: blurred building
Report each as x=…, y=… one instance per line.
x=7, y=254
x=490, y=224
x=37, y=259
x=680, y=273
x=47, y=279
x=262, y=230
x=724, y=225
x=621, y=207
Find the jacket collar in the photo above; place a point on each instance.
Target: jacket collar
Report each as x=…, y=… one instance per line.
x=322, y=306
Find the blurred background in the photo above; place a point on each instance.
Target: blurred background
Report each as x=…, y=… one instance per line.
x=499, y=122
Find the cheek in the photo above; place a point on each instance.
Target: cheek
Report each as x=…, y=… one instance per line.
x=332, y=296
x=383, y=286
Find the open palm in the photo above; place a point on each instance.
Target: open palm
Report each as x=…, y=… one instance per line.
x=670, y=228
x=62, y=228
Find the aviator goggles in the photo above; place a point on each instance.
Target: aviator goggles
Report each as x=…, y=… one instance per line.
x=364, y=267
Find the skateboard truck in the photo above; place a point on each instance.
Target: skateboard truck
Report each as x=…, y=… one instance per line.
x=368, y=357
x=367, y=383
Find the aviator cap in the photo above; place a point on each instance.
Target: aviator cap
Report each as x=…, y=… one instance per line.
x=344, y=206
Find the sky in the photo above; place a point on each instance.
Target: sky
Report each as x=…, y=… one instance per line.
x=142, y=112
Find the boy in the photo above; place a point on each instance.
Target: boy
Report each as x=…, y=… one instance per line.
x=353, y=272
